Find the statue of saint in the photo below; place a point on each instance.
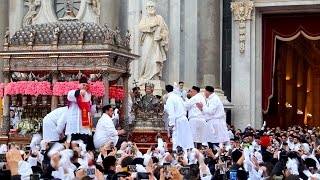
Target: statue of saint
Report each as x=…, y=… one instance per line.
x=149, y=101
x=7, y=36
x=154, y=39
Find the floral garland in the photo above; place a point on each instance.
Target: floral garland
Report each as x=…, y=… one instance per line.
x=32, y=88
x=95, y=88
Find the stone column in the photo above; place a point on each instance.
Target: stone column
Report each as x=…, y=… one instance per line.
x=243, y=67
x=125, y=78
x=105, y=79
x=110, y=12
x=209, y=43
x=54, y=99
x=191, y=42
x=6, y=106
x=4, y=23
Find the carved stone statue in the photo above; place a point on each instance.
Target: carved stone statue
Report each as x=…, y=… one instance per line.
x=32, y=36
x=69, y=11
x=128, y=37
x=95, y=4
x=81, y=33
x=117, y=37
x=155, y=40
x=56, y=33
x=7, y=36
x=32, y=12
x=108, y=35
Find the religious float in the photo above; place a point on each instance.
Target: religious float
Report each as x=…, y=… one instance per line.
x=43, y=62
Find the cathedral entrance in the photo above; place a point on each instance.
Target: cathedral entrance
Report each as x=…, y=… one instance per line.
x=296, y=98
x=291, y=70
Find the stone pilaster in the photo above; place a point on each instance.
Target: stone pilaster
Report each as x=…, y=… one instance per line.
x=54, y=99
x=6, y=106
x=125, y=78
x=105, y=79
x=243, y=78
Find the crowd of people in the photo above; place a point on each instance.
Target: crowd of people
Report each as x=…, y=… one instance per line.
x=203, y=145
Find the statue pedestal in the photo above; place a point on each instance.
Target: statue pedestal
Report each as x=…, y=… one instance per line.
x=159, y=87
x=147, y=138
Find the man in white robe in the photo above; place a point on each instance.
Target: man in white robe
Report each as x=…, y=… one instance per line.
x=217, y=131
x=196, y=118
x=176, y=111
x=180, y=91
x=54, y=123
x=105, y=129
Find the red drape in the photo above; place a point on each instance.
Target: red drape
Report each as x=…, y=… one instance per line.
x=285, y=26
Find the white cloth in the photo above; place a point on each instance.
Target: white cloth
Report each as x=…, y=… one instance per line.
x=115, y=116
x=176, y=111
x=217, y=131
x=74, y=122
x=105, y=132
x=197, y=119
x=50, y=124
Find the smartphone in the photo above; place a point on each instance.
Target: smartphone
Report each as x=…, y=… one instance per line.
x=118, y=156
x=111, y=145
x=185, y=171
x=3, y=158
x=143, y=176
x=91, y=172
x=132, y=168
x=34, y=176
x=233, y=175
x=27, y=148
x=166, y=168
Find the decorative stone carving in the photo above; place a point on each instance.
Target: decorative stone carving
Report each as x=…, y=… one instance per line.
x=95, y=5
x=117, y=37
x=32, y=12
x=242, y=10
x=128, y=37
x=56, y=33
x=81, y=35
x=105, y=72
x=108, y=35
x=6, y=37
x=6, y=74
x=18, y=63
x=32, y=36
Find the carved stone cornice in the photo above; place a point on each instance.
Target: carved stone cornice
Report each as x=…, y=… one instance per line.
x=6, y=74
x=242, y=11
x=105, y=73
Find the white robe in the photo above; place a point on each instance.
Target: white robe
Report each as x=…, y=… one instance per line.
x=197, y=119
x=53, y=124
x=105, y=132
x=74, y=122
x=217, y=131
x=176, y=111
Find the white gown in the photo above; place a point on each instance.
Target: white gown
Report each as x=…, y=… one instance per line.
x=176, y=111
x=53, y=124
x=105, y=132
x=217, y=131
x=197, y=119
x=74, y=122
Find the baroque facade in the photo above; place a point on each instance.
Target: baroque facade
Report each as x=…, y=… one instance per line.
x=212, y=42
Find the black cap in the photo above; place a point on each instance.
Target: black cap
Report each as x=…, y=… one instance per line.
x=196, y=88
x=210, y=89
x=83, y=79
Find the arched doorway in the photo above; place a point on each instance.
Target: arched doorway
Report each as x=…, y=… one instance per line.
x=296, y=98
x=291, y=70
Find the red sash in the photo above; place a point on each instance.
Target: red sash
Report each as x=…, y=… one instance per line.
x=85, y=112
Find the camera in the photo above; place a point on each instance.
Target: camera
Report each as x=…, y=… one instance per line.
x=118, y=156
x=143, y=176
